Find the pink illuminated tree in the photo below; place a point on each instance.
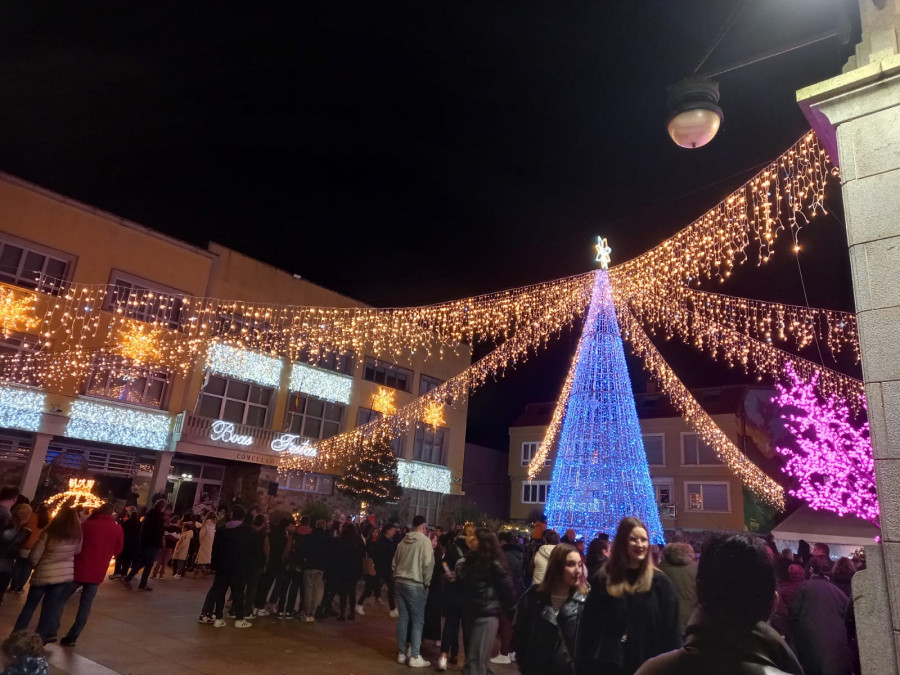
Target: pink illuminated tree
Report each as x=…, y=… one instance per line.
x=832, y=458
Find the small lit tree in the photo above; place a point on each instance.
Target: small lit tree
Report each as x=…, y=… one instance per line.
x=832, y=456
x=373, y=479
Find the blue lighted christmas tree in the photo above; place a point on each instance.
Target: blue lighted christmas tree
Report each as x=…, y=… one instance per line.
x=600, y=474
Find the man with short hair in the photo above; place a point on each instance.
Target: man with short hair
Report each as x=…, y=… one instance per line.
x=412, y=567
x=728, y=633
x=8, y=496
x=102, y=538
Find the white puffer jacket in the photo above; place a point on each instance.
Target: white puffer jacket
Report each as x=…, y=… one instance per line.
x=54, y=561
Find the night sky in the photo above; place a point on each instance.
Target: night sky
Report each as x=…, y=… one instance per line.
x=411, y=152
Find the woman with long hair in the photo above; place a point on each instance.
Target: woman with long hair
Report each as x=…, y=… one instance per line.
x=631, y=613
x=349, y=568
x=206, y=537
x=549, y=615
x=487, y=592
x=53, y=557
x=432, y=628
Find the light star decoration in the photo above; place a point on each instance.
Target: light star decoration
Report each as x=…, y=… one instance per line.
x=383, y=402
x=434, y=415
x=16, y=313
x=603, y=251
x=140, y=345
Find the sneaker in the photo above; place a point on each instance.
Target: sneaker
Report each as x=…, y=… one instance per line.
x=285, y=616
x=360, y=610
x=208, y=620
x=220, y=623
x=126, y=582
x=512, y=656
x=113, y=577
x=177, y=576
x=68, y=641
x=418, y=662
x=442, y=663
x=401, y=657
x=501, y=659
x=242, y=624
x=310, y=619
x=260, y=612
x=393, y=614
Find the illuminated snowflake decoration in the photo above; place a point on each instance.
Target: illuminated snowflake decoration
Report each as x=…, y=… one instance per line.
x=383, y=401
x=16, y=314
x=140, y=343
x=434, y=415
x=603, y=252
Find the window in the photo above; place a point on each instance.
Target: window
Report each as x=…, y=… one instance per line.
x=366, y=415
x=427, y=383
x=143, y=300
x=529, y=450
x=19, y=343
x=148, y=389
x=429, y=444
x=388, y=374
x=696, y=451
x=312, y=417
x=423, y=503
x=336, y=361
x=655, y=447
x=33, y=266
x=307, y=482
x=223, y=398
x=535, y=492
x=664, y=490
x=708, y=497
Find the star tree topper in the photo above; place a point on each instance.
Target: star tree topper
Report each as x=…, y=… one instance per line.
x=603, y=251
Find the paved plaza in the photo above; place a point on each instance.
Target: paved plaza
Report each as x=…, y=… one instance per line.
x=139, y=633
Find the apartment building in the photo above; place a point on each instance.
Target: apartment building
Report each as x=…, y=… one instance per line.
x=694, y=490
x=214, y=432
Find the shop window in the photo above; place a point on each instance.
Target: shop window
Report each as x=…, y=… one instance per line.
x=366, y=415
x=535, y=492
x=148, y=389
x=430, y=444
x=696, y=452
x=143, y=300
x=224, y=398
x=664, y=490
x=388, y=374
x=655, y=447
x=708, y=497
x=32, y=266
x=312, y=417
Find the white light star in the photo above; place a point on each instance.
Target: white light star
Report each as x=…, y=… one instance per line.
x=603, y=251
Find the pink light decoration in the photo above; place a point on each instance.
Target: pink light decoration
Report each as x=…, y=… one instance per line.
x=832, y=460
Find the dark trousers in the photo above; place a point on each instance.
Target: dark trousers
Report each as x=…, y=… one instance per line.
x=88, y=593
x=21, y=572
x=286, y=589
x=123, y=561
x=450, y=636
x=215, y=598
x=347, y=591
x=263, y=586
x=373, y=587
x=53, y=596
x=331, y=589
x=505, y=633
x=143, y=560
x=4, y=583
x=253, y=577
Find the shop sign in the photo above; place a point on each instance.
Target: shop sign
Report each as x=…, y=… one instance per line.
x=289, y=443
x=224, y=432
x=256, y=459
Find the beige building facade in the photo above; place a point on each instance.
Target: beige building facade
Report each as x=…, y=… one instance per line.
x=214, y=433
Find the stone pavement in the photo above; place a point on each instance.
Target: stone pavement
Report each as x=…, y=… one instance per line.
x=139, y=633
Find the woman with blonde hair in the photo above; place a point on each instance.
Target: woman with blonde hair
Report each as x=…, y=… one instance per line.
x=549, y=616
x=631, y=613
x=53, y=557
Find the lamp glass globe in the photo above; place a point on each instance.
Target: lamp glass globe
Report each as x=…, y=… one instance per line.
x=694, y=128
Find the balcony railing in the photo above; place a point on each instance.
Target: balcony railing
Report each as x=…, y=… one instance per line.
x=235, y=436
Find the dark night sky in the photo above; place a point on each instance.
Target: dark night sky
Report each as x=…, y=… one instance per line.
x=410, y=152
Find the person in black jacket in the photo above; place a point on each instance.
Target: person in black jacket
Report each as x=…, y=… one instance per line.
x=451, y=599
x=315, y=544
x=231, y=556
x=631, y=613
x=728, y=632
x=152, y=533
x=349, y=568
x=549, y=615
x=487, y=593
x=514, y=562
x=279, y=537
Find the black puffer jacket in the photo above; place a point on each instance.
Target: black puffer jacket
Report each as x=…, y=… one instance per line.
x=715, y=647
x=544, y=642
x=486, y=592
x=515, y=560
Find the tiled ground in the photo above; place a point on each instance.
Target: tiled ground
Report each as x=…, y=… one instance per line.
x=152, y=633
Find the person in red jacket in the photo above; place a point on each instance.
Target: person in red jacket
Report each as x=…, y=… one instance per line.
x=103, y=539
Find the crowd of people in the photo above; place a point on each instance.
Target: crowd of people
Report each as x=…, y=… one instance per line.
x=619, y=605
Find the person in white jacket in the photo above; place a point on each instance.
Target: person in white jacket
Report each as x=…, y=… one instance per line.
x=206, y=536
x=54, y=559
x=412, y=567
x=542, y=557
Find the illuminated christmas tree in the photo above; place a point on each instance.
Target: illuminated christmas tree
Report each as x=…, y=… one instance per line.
x=373, y=478
x=600, y=474
x=831, y=458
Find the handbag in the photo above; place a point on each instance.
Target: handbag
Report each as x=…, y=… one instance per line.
x=368, y=567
